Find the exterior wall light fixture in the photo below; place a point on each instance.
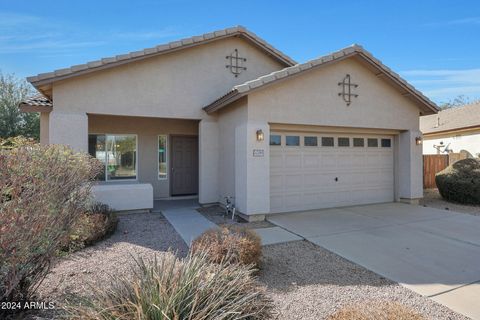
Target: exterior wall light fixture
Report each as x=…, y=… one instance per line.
x=418, y=141
x=260, y=135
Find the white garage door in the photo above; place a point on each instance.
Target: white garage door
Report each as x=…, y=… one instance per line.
x=312, y=171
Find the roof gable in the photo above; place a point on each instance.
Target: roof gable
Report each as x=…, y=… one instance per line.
x=244, y=89
x=44, y=81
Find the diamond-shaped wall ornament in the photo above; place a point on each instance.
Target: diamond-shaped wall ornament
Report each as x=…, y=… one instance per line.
x=236, y=64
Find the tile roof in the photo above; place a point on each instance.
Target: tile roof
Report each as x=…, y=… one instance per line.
x=36, y=101
x=243, y=89
x=467, y=116
x=45, y=78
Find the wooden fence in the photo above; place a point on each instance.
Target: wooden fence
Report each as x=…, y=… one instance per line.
x=434, y=163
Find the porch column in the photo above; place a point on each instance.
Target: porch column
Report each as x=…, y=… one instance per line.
x=252, y=170
x=44, y=127
x=69, y=129
x=410, y=167
x=208, y=148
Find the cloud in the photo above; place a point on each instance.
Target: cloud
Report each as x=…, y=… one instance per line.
x=446, y=84
x=49, y=46
x=148, y=35
x=21, y=33
x=455, y=22
x=10, y=20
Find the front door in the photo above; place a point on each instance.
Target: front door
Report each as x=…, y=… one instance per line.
x=184, y=166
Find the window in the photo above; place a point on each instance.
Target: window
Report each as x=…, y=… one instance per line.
x=358, y=142
x=327, y=142
x=162, y=157
x=310, y=141
x=292, y=141
x=386, y=143
x=96, y=148
x=117, y=152
x=343, y=142
x=275, y=140
x=372, y=143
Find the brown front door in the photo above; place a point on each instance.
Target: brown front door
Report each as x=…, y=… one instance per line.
x=184, y=166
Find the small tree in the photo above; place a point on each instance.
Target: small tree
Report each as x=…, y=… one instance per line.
x=43, y=191
x=13, y=122
x=458, y=101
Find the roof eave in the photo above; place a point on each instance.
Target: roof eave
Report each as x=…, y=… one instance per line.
x=355, y=50
x=452, y=130
x=402, y=83
x=25, y=107
x=230, y=97
x=46, y=79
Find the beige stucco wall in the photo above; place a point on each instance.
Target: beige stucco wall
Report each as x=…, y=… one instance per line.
x=175, y=85
x=147, y=131
x=312, y=98
x=209, y=158
x=44, y=135
x=229, y=119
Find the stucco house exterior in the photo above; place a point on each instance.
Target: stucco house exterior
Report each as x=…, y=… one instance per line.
x=452, y=131
x=227, y=114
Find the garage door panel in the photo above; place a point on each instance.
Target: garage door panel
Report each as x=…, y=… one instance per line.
x=328, y=160
x=293, y=182
x=293, y=160
x=276, y=182
x=303, y=178
x=311, y=160
x=276, y=160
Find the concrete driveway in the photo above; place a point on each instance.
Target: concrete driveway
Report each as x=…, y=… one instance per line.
x=433, y=252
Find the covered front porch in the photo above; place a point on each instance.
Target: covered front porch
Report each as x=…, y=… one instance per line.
x=145, y=158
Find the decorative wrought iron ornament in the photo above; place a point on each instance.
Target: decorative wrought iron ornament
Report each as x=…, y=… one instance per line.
x=347, y=86
x=235, y=63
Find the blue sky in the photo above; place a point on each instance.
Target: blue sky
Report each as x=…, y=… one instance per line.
x=433, y=44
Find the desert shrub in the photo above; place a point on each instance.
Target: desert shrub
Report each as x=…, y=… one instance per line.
x=93, y=225
x=460, y=182
x=375, y=311
x=173, y=288
x=43, y=189
x=231, y=244
x=15, y=142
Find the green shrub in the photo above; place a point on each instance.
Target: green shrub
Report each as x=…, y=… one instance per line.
x=231, y=244
x=95, y=224
x=460, y=182
x=43, y=189
x=172, y=288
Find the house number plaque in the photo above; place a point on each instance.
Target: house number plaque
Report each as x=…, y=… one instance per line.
x=258, y=152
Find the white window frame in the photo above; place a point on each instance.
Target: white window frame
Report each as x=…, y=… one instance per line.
x=167, y=153
x=106, y=156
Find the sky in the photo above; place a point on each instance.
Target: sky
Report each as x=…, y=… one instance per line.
x=433, y=44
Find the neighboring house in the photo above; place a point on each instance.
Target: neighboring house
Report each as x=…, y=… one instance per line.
x=452, y=130
x=226, y=114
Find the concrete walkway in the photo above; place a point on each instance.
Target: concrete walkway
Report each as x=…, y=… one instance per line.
x=190, y=224
x=430, y=251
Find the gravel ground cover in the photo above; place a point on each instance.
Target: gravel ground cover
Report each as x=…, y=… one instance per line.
x=308, y=282
x=144, y=235
x=433, y=199
x=305, y=281
x=216, y=214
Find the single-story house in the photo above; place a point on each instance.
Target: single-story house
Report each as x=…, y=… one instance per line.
x=452, y=130
x=225, y=114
